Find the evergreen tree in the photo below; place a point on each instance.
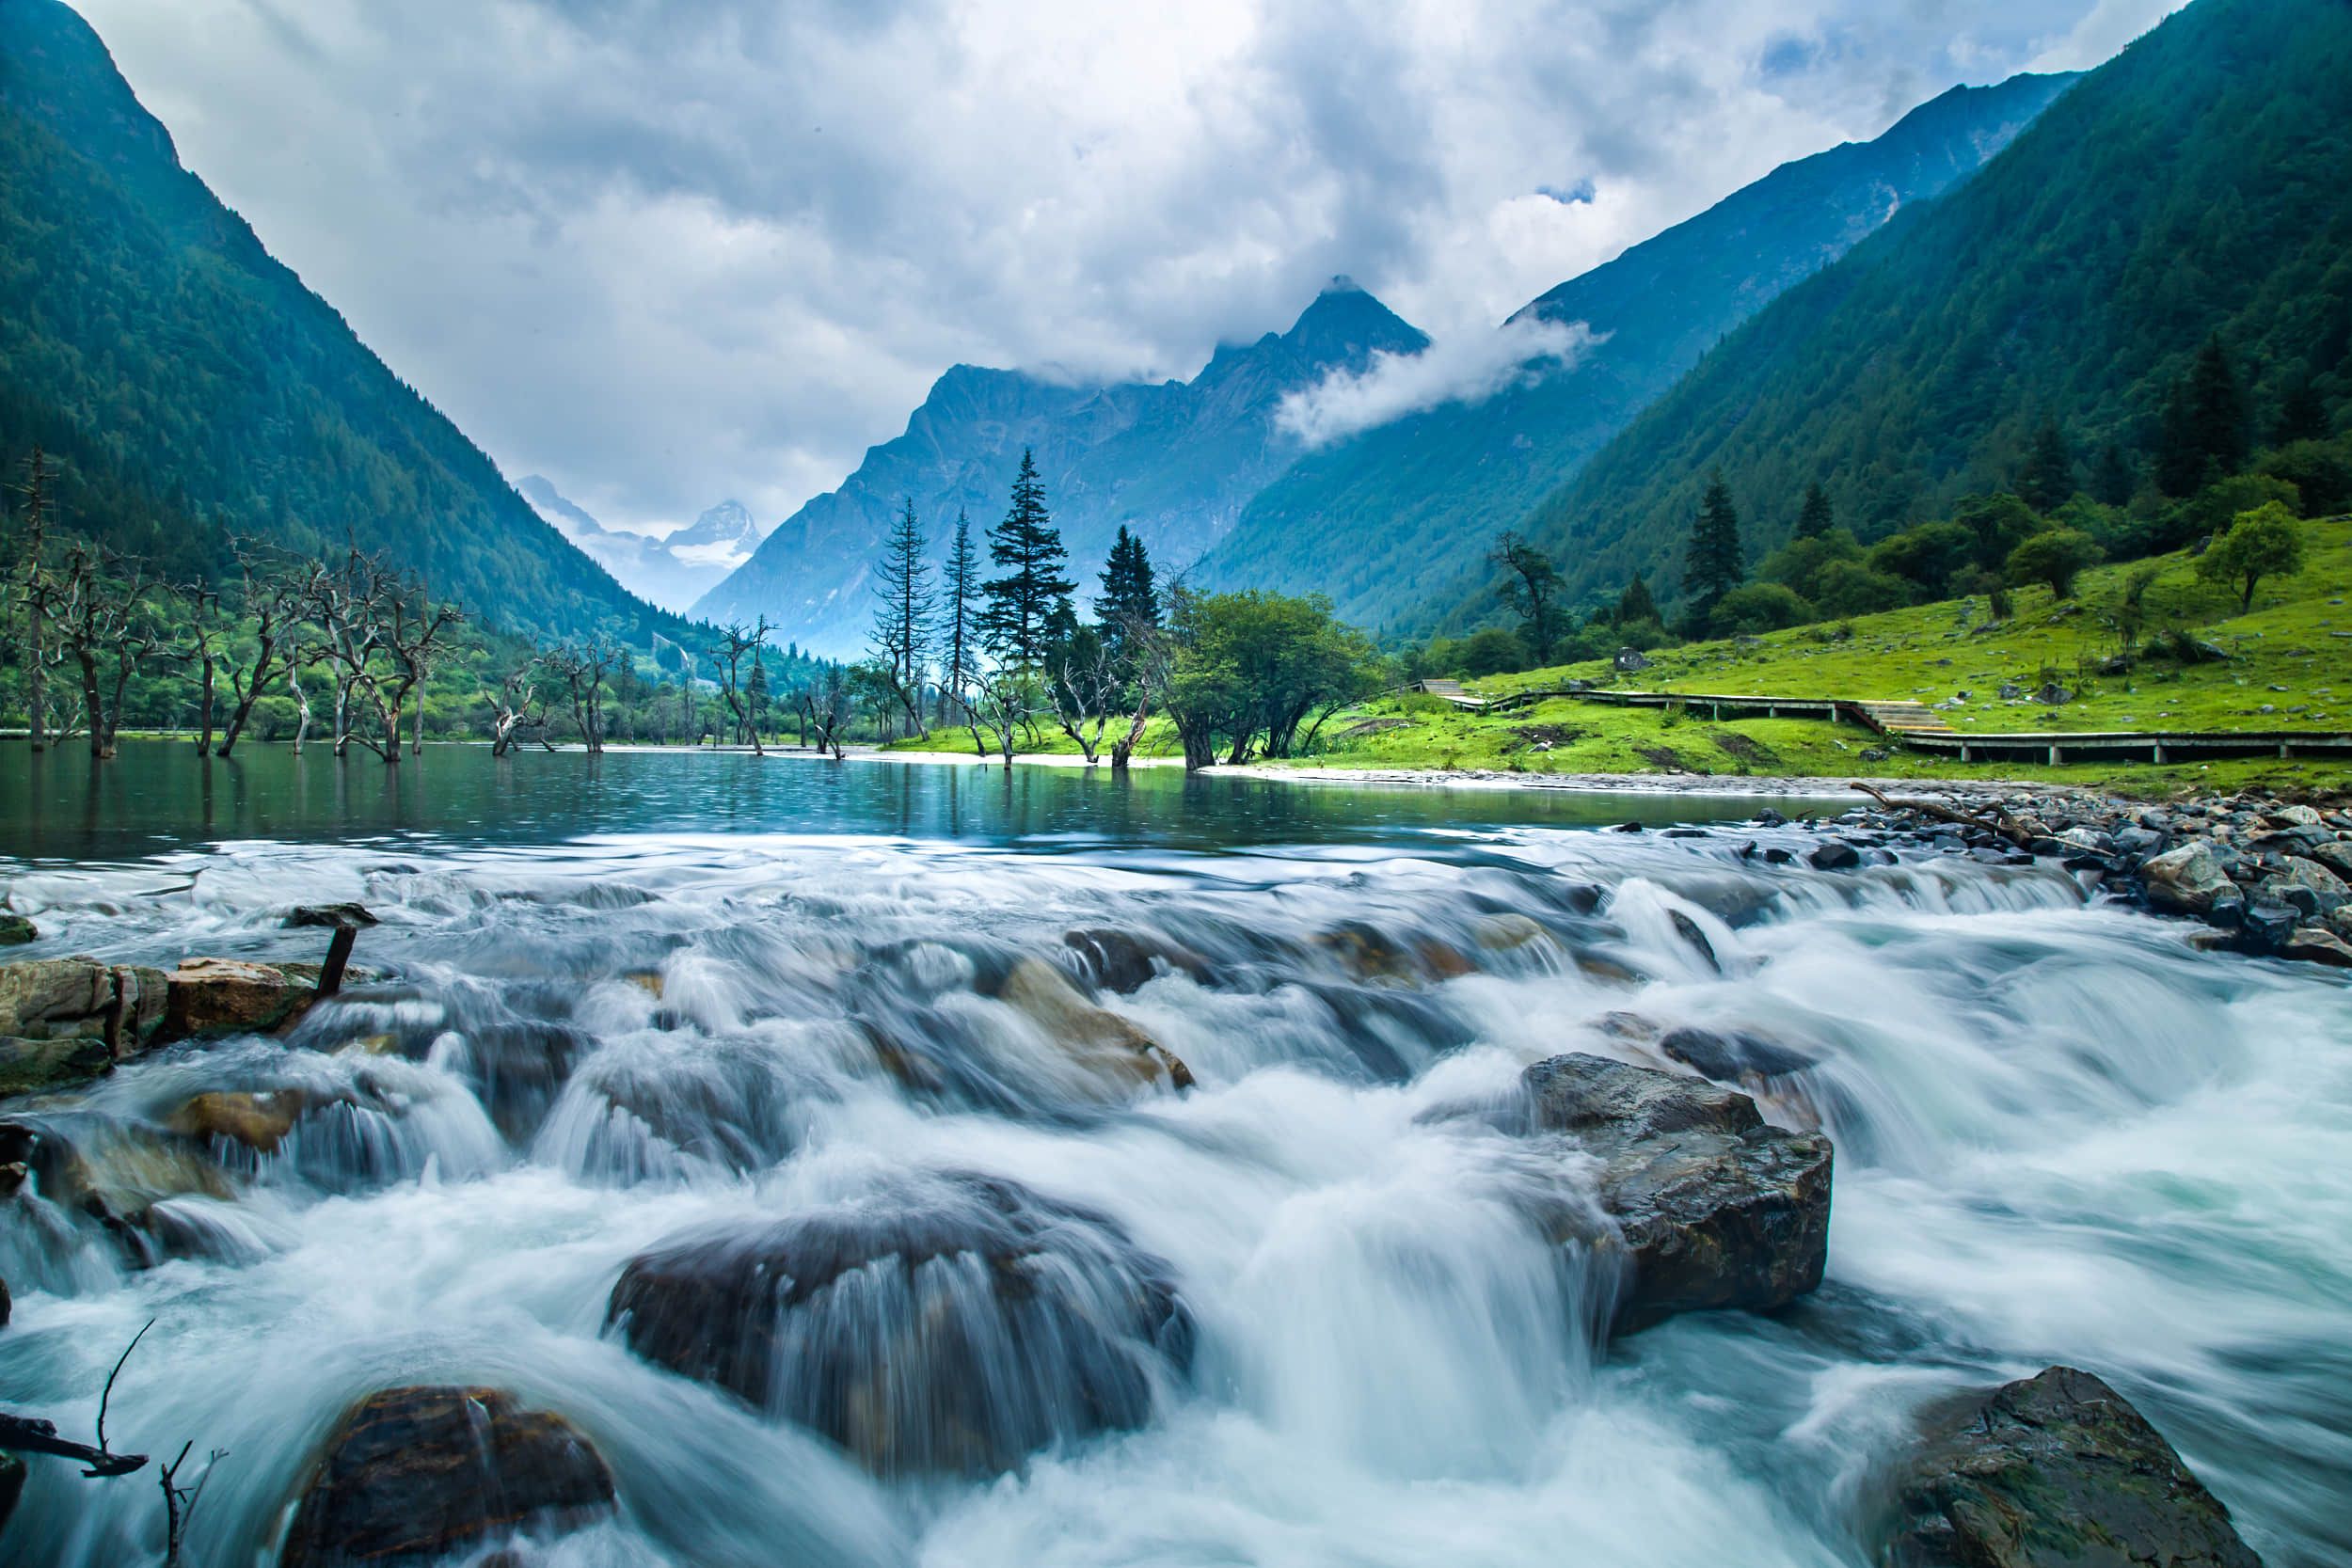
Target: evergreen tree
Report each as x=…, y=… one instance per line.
x=2302, y=417
x=903, y=618
x=1814, y=518
x=1130, y=601
x=1023, y=606
x=2048, y=477
x=1635, y=605
x=755, y=693
x=1712, y=565
x=2115, y=483
x=2203, y=437
x=957, y=664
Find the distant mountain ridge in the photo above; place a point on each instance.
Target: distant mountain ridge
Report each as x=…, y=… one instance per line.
x=672, y=572
x=1175, y=461
x=197, y=390
x=1387, y=521
x=2193, y=185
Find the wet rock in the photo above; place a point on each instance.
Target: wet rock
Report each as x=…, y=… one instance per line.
x=2332, y=853
x=1688, y=929
x=949, y=1324
x=1714, y=1208
x=6, y=1304
x=2314, y=945
x=1836, y=855
x=66, y=1020
x=260, y=1122
x=231, y=997
x=2268, y=926
x=15, y=931
x=1732, y=1058
x=12, y=1486
x=1123, y=961
x=1504, y=933
x=1108, y=1044
x=2054, y=1471
x=414, y=1475
x=2310, y=886
x=114, y=1174
x=334, y=916
x=2187, y=879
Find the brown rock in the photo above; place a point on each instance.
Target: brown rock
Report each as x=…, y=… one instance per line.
x=230, y=996
x=1110, y=1045
x=412, y=1475
x=258, y=1121
x=2314, y=946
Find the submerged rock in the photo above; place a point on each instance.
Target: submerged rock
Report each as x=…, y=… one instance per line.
x=15, y=931
x=414, y=1475
x=1715, y=1208
x=2054, y=1471
x=952, y=1326
x=1109, y=1045
x=1123, y=961
x=258, y=1121
x=113, y=1173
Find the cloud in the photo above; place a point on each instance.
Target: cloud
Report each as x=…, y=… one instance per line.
x=668, y=250
x=1461, y=368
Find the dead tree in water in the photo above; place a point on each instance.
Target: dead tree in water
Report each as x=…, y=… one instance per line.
x=824, y=700
x=416, y=632
x=342, y=605
x=269, y=597
x=736, y=641
x=206, y=635
x=581, y=666
x=97, y=602
x=516, y=705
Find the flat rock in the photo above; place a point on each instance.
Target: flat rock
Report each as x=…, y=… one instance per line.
x=2314, y=945
x=2054, y=1471
x=1715, y=1208
x=414, y=1475
x=231, y=997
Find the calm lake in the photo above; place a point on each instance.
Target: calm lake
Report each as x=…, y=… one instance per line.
x=630, y=1015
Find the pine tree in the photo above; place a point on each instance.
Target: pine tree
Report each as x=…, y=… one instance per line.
x=1023, y=605
x=1130, y=602
x=1635, y=605
x=755, y=693
x=2304, y=415
x=1711, y=566
x=957, y=664
x=2047, y=479
x=2202, y=435
x=2115, y=484
x=903, y=618
x=1814, y=518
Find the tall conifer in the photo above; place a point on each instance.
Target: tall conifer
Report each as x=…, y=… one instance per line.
x=1032, y=597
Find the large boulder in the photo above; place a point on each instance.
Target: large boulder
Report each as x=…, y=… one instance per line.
x=1713, y=1208
x=66, y=1020
x=2187, y=881
x=948, y=1324
x=2054, y=1471
x=414, y=1475
x=115, y=1174
x=1112, y=1050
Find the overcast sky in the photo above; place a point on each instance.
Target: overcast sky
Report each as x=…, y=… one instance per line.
x=669, y=253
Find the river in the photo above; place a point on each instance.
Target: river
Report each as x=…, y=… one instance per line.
x=654, y=995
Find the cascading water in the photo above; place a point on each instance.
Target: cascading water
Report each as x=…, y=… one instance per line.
x=842, y=1192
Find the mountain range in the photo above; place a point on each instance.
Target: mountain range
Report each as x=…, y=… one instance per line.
x=194, y=390
x=1175, y=461
x=2192, y=187
x=671, y=571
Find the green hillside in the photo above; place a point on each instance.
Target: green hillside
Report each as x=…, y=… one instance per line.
x=194, y=389
x=2193, y=186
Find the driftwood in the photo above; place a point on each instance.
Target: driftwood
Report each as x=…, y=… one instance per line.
x=22, y=1434
x=1998, y=821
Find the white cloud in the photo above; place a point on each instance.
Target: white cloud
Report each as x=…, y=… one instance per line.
x=668, y=250
x=1463, y=367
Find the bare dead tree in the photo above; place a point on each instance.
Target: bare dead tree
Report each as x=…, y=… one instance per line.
x=269, y=601
x=343, y=604
x=302, y=705
x=824, y=702
x=207, y=636
x=581, y=666
x=180, y=1501
x=1001, y=704
x=416, y=632
x=97, y=602
x=516, y=705
x=734, y=642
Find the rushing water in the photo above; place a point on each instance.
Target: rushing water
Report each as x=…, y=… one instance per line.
x=2062, y=1136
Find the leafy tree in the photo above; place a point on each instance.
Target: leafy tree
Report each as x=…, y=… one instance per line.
x=1758, y=607
x=2210, y=513
x=1927, y=557
x=2114, y=483
x=2264, y=542
x=2320, y=471
x=903, y=611
x=1845, y=588
x=2203, y=437
x=1814, y=518
x=1249, y=670
x=1799, y=564
x=1712, y=563
x=1490, y=651
x=2048, y=476
x=2055, y=557
x=1017, y=621
x=1531, y=587
x=1998, y=523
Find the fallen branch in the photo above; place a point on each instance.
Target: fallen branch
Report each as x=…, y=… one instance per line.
x=23, y=1434
x=1998, y=822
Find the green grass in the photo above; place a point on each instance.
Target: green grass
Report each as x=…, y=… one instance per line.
x=2297, y=636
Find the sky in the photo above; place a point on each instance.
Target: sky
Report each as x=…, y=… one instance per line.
x=671, y=251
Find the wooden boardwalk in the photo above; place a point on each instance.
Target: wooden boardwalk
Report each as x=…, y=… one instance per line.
x=1923, y=729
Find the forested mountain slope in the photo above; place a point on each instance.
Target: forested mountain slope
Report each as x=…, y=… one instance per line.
x=1383, y=518
x=196, y=391
x=2193, y=186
